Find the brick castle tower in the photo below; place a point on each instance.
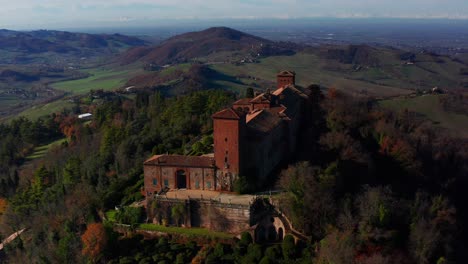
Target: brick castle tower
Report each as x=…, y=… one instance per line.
x=285, y=78
x=228, y=126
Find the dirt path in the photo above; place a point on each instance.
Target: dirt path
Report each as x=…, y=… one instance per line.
x=11, y=238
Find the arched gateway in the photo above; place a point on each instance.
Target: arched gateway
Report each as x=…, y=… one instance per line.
x=181, y=179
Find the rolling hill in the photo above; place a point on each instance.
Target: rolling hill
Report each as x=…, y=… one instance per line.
x=224, y=58
x=49, y=46
x=216, y=40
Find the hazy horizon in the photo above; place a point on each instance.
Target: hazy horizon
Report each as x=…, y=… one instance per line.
x=55, y=14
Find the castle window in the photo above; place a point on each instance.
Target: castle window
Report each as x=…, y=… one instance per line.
x=197, y=184
x=166, y=183
x=208, y=184
x=225, y=139
x=155, y=181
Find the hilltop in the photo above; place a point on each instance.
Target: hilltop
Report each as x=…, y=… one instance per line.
x=184, y=47
x=42, y=46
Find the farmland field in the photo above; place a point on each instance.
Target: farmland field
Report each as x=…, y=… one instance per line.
x=99, y=78
x=43, y=110
x=40, y=151
x=309, y=69
x=430, y=107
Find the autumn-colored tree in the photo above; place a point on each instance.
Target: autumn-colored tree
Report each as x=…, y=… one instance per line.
x=68, y=125
x=332, y=93
x=94, y=241
x=3, y=205
x=336, y=247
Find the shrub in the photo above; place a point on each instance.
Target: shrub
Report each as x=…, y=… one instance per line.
x=289, y=247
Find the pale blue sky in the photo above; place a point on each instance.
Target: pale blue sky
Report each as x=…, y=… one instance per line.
x=33, y=14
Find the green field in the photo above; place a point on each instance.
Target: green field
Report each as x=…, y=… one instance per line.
x=310, y=69
x=40, y=151
x=110, y=215
x=38, y=111
x=99, y=78
x=429, y=106
x=390, y=78
x=8, y=101
x=185, y=231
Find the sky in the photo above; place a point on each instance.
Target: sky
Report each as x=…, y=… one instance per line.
x=56, y=14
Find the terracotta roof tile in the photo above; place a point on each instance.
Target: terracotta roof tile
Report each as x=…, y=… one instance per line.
x=243, y=101
x=264, y=121
x=227, y=113
x=287, y=73
x=181, y=161
x=262, y=98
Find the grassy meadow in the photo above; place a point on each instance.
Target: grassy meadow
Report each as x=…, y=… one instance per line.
x=37, y=111
x=430, y=107
x=310, y=69
x=185, y=231
x=100, y=78
x=40, y=151
x=390, y=78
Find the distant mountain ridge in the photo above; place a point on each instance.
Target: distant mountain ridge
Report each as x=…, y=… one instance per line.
x=42, y=41
x=192, y=45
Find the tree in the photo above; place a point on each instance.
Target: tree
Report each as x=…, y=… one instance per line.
x=249, y=93
x=289, y=248
x=337, y=247
x=432, y=233
x=178, y=213
x=254, y=254
x=246, y=238
x=241, y=185
x=3, y=205
x=129, y=215
x=94, y=241
x=293, y=181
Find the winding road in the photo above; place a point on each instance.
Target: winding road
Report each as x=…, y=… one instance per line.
x=11, y=238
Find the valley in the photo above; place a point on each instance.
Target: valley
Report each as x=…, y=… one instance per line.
x=235, y=61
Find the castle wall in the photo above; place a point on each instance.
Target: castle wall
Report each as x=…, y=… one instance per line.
x=220, y=217
x=294, y=126
x=227, y=137
x=285, y=80
x=150, y=173
x=158, y=177
x=267, y=152
x=203, y=213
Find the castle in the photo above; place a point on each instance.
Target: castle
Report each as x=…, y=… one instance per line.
x=251, y=138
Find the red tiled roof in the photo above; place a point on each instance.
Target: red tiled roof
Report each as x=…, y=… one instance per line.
x=287, y=73
x=278, y=109
x=262, y=98
x=243, y=101
x=181, y=161
x=264, y=121
x=227, y=113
